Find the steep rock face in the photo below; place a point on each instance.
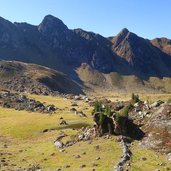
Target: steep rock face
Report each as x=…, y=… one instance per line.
x=142, y=56
x=10, y=36
x=99, y=55
x=163, y=44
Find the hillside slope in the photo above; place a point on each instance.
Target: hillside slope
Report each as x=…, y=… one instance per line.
x=32, y=78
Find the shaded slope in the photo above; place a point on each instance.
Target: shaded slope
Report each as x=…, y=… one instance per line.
x=22, y=77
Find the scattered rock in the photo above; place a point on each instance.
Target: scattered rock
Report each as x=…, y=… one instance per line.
x=53, y=154
x=3, y=161
x=156, y=104
x=45, y=130
x=63, y=122
x=143, y=158
x=97, y=147
x=73, y=110
x=5, y=146
x=169, y=156
x=94, y=164
x=74, y=104
x=77, y=156
x=80, y=114
x=58, y=144
x=162, y=164
x=21, y=102
x=62, y=150
x=51, y=108
x=67, y=166
x=77, y=98
x=83, y=166
x=97, y=158
x=58, y=169
x=34, y=168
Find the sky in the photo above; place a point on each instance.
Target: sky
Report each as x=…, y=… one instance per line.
x=146, y=18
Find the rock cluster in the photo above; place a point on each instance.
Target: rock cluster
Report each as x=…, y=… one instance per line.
x=86, y=134
x=21, y=102
x=158, y=129
x=27, y=84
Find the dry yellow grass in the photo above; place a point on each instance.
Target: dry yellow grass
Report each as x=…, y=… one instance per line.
x=152, y=162
x=21, y=132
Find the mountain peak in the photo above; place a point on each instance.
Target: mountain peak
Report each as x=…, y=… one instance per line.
x=51, y=18
x=124, y=31
x=120, y=36
x=50, y=23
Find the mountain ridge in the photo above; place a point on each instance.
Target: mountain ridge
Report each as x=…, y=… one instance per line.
x=54, y=45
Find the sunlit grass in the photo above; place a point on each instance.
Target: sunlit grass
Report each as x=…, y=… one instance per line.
x=153, y=159
x=22, y=132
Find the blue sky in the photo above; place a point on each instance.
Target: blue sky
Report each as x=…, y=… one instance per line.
x=147, y=18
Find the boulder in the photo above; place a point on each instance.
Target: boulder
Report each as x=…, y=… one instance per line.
x=63, y=122
x=74, y=104
x=58, y=144
x=156, y=104
x=80, y=114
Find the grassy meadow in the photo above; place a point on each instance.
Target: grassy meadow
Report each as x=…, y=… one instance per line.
x=23, y=144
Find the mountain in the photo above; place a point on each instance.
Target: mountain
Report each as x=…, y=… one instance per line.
x=32, y=78
x=163, y=44
x=121, y=62
x=145, y=59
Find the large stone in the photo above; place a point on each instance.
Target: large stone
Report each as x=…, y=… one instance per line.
x=58, y=144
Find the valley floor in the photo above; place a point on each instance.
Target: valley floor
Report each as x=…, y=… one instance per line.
x=24, y=145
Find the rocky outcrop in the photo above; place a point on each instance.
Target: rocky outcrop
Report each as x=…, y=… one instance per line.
x=103, y=124
x=158, y=129
x=21, y=102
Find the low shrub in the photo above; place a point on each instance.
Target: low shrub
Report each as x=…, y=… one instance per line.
x=135, y=98
x=169, y=100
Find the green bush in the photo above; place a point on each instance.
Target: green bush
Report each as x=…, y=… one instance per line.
x=124, y=113
x=135, y=98
x=98, y=109
x=169, y=100
x=108, y=110
x=101, y=119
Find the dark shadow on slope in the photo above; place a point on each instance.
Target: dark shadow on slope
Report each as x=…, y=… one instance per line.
x=61, y=84
x=133, y=131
